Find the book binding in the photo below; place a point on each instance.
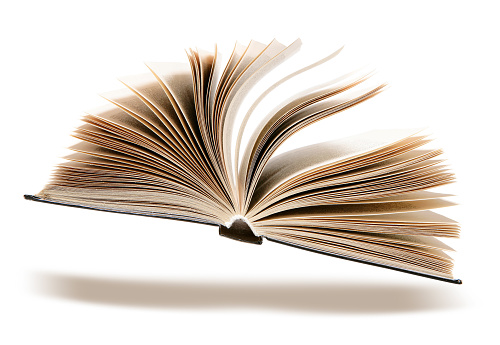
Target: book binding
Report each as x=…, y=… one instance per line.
x=240, y=231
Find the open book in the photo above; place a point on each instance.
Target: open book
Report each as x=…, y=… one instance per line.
x=164, y=147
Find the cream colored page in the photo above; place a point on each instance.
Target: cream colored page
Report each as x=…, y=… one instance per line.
x=206, y=73
x=130, y=102
x=255, y=56
x=292, y=163
x=271, y=57
x=315, y=198
x=406, y=240
x=342, y=210
x=422, y=217
x=206, y=66
x=216, y=92
x=160, y=117
x=253, y=50
x=119, y=161
x=203, y=64
x=138, y=120
x=117, y=116
x=282, y=111
x=249, y=62
x=147, y=87
x=135, y=159
x=159, y=112
x=221, y=86
x=143, y=136
x=279, y=112
x=370, y=194
x=412, y=196
x=177, y=82
x=140, y=160
x=131, y=154
x=273, y=87
x=385, y=168
x=419, y=223
x=215, y=77
x=294, y=123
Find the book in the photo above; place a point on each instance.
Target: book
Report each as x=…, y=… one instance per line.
x=169, y=145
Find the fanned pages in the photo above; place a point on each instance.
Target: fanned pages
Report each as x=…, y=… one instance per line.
x=163, y=147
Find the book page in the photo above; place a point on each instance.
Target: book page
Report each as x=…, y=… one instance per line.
x=282, y=104
x=391, y=239
x=176, y=81
x=273, y=55
x=164, y=124
x=247, y=64
x=333, y=177
x=295, y=162
x=351, y=209
x=421, y=223
x=302, y=117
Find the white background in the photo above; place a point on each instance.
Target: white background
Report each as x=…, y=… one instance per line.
x=71, y=276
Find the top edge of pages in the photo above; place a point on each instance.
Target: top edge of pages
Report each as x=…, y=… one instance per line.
x=169, y=144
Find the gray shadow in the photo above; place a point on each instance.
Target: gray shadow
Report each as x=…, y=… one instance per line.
x=314, y=297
